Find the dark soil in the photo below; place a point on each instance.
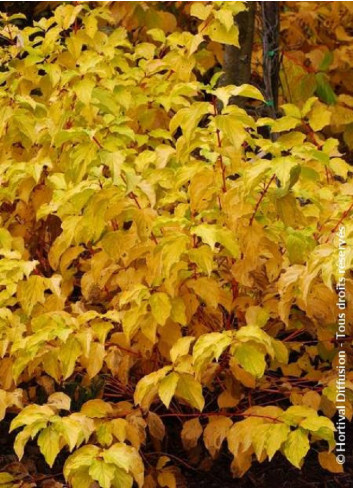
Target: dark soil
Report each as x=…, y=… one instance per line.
x=32, y=471
x=277, y=473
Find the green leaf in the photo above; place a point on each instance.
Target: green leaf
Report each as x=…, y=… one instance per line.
x=190, y=390
x=326, y=61
x=251, y=359
x=324, y=89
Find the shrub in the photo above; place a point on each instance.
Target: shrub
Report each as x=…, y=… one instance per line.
x=161, y=255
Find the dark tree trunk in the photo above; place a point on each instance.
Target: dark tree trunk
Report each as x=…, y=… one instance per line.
x=270, y=43
x=237, y=61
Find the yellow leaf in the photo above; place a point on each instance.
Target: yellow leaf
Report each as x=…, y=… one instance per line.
x=95, y=359
x=241, y=463
x=166, y=388
x=281, y=351
x=251, y=359
x=240, y=374
x=295, y=414
x=147, y=387
x=256, y=334
x=203, y=257
x=319, y=116
x=127, y=458
x=190, y=390
x=312, y=399
x=296, y=447
x=215, y=433
x=59, y=400
x=83, y=90
x=200, y=10
x=218, y=32
x=160, y=307
x=155, y=426
x=31, y=292
x=68, y=355
x=167, y=478
x=276, y=436
x=49, y=444
x=257, y=316
x=181, y=347
x=102, y=472
x=328, y=461
x=208, y=347
x=91, y=25
x=225, y=93
x=212, y=234
x=191, y=432
x=225, y=16
x=207, y=289
x=96, y=408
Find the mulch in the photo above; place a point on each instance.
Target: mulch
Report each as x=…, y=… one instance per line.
x=34, y=472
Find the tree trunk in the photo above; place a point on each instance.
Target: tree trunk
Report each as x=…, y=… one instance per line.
x=270, y=44
x=237, y=61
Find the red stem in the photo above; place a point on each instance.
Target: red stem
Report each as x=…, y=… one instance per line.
x=344, y=215
x=263, y=193
x=219, y=144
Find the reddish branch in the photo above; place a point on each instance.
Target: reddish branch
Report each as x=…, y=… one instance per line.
x=134, y=198
x=263, y=193
x=344, y=215
x=97, y=142
x=218, y=413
